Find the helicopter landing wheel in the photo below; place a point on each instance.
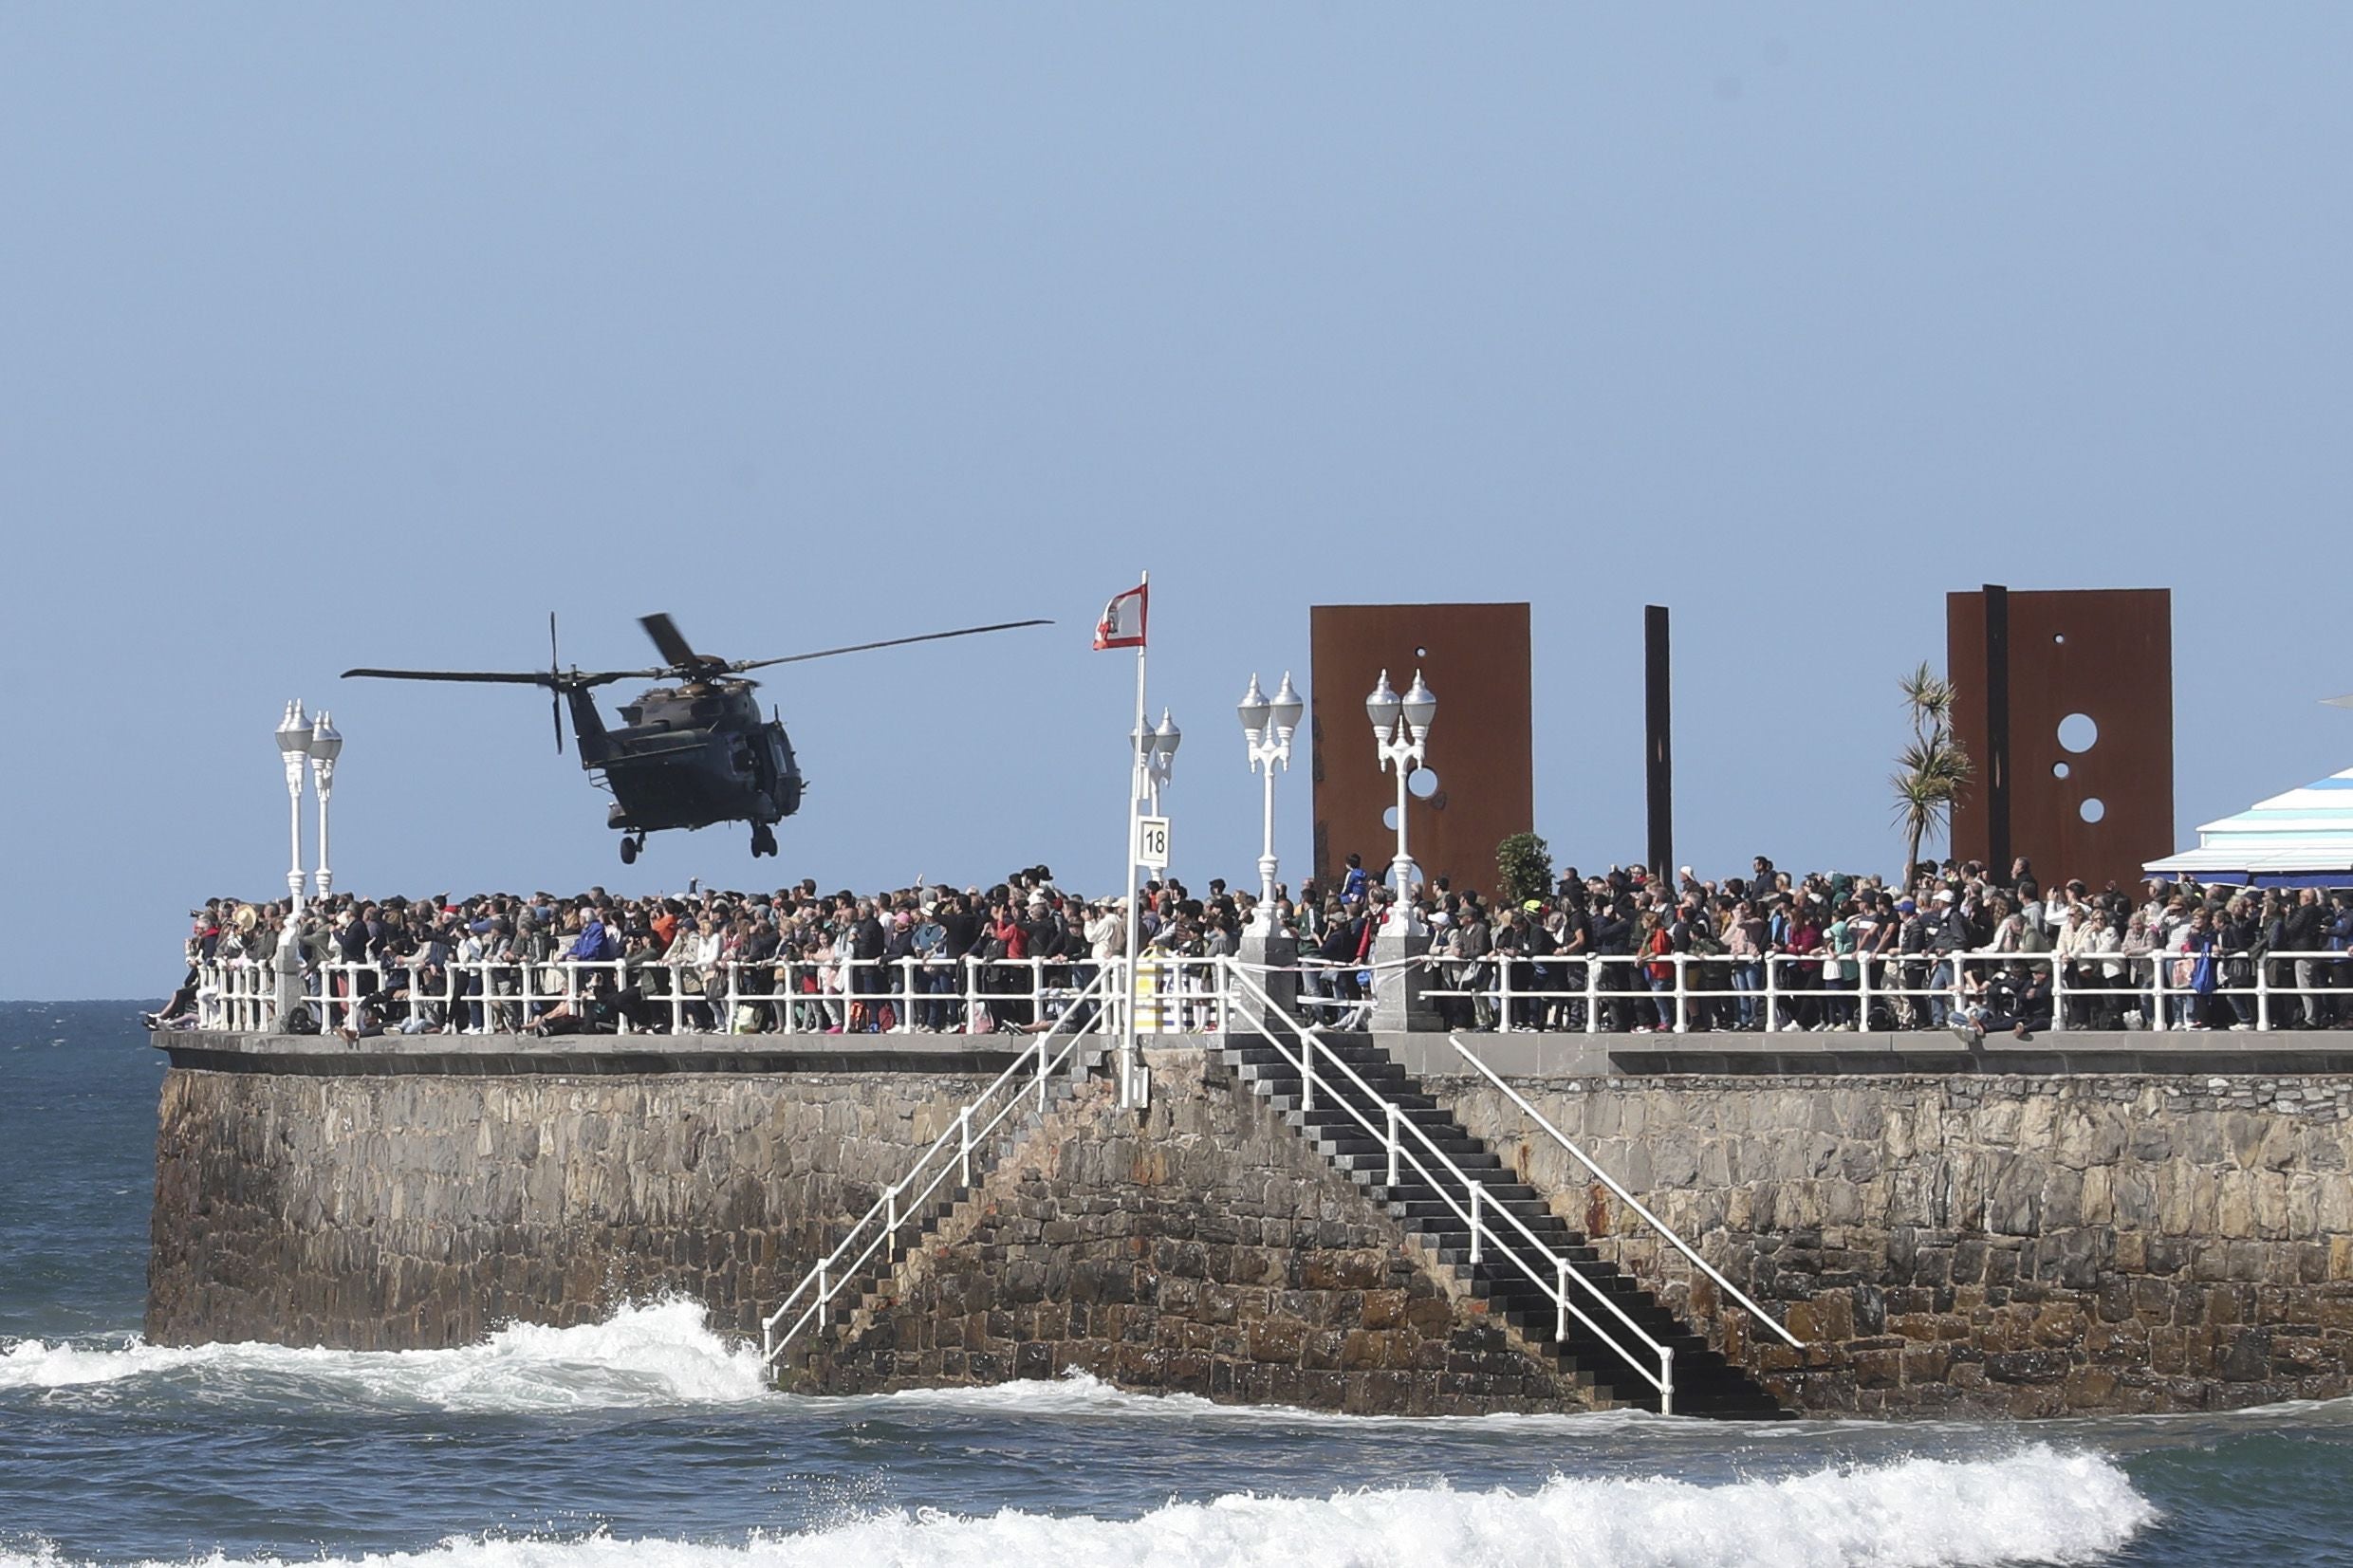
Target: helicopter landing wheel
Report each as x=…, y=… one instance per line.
x=629, y=847
x=763, y=840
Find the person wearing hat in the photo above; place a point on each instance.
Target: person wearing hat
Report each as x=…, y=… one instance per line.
x=1944, y=932
x=1469, y=945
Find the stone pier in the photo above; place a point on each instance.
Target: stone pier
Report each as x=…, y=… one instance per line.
x=2141, y=1225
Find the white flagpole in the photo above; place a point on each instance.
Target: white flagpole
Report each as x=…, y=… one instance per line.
x=1134, y=795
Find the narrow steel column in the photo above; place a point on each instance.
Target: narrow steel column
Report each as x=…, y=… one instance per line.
x=1997, y=730
x=1658, y=743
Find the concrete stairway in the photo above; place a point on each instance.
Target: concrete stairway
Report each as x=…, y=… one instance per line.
x=1705, y=1383
x=872, y=1290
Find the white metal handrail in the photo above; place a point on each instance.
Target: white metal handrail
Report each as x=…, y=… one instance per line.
x=1782, y=983
x=830, y=1275
x=785, y=996
x=1475, y=1207
x=237, y=993
x=1625, y=1197
x=1189, y=995
x=511, y=989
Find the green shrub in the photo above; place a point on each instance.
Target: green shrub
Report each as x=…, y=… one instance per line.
x=1522, y=869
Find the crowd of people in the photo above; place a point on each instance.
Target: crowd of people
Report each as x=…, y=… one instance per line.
x=841, y=962
x=1952, y=946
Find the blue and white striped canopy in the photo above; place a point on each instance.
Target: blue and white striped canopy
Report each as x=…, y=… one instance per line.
x=2303, y=837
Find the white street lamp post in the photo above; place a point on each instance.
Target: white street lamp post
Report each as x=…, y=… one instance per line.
x=1267, y=730
x=1160, y=757
x=1401, y=948
x=1399, y=742
x=294, y=735
x=1154, y=753
x=326, y=743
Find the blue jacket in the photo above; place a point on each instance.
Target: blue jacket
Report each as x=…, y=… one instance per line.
x=595, y=945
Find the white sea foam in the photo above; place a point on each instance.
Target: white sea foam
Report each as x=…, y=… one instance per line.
x=2034, y=1507
x=644, y=1355
x=661, y=1352
x=1079, y=1394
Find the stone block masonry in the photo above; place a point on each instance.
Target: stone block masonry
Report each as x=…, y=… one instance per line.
x=1981, y=1240
x=421, y=1210
x=1203, y=1248
x=1206, y=1248
x=2020, y=1245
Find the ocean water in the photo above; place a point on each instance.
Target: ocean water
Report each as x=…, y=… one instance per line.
x=648, y=1440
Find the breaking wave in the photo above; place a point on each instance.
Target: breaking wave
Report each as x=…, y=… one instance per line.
x=653, y=1354
x=2036, y=1506
x=1080, y=1394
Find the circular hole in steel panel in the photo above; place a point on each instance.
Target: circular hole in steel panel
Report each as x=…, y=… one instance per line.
x=1422, y=784
x=2092, y=809
x=2060, y=770
x=2078, y=734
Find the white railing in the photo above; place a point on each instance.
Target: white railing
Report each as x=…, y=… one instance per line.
x=1385, y=1120
x=1590, y=994
x=240, y=994
x=783, y=996
x=1619, y=992
x=1656, y=1223
x=951, y=1153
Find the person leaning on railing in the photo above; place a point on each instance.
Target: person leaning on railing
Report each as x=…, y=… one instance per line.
x=1469, y=941
x=2137, y=971
x=2339, y=971
x=693, y=960
x=2200, y=971
x=1944, y=935
x=1613, y=921
x=1572, y=947
x=2300, y=927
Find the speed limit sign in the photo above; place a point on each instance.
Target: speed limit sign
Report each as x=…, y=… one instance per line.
x=1152, y=842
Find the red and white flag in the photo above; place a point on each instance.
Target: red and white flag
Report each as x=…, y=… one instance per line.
x=1122, y=624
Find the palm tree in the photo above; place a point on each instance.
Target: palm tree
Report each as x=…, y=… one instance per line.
x=1933, y=769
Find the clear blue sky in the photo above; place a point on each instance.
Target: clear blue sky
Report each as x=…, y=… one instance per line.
x=336, y=335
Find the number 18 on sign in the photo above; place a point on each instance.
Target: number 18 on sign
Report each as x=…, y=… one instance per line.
x=1152, y=842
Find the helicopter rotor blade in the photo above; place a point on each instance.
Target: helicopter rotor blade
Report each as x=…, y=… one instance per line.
x=555, y=696
x=504, y=677
x=559, y=681
x=890, y=642
x=670, y=640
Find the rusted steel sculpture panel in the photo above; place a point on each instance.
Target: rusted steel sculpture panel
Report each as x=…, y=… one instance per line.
x=2085, y=758
x=1476, y=659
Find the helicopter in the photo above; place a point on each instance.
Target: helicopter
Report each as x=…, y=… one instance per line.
x=691, y=752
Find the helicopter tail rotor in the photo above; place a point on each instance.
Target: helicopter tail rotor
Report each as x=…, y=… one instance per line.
x=555, y=684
